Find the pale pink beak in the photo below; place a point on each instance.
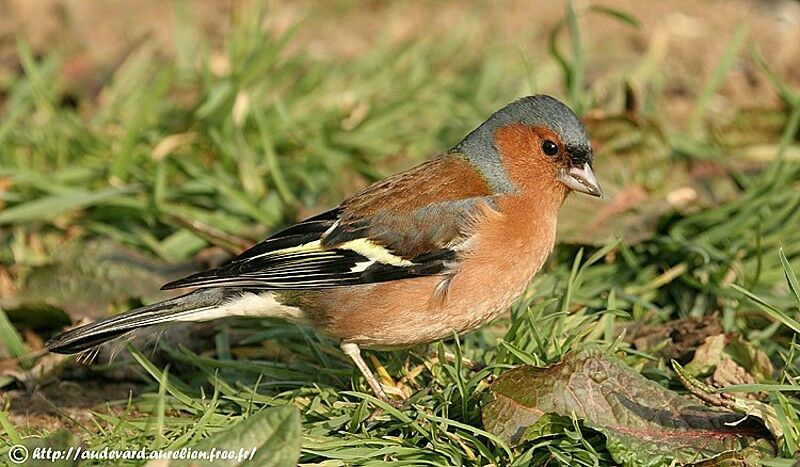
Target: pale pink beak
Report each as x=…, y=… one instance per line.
x=581, y=179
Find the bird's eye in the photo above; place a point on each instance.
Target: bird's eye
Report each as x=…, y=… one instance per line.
x=549, y=148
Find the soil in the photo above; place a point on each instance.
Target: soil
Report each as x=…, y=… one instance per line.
x=64, y=404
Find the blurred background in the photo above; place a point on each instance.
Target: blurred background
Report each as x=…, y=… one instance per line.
x=675, y=47
x=143, y=140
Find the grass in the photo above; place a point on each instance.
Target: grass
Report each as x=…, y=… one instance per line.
x=281, y=135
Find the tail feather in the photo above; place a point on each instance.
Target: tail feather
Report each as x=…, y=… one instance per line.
x=182, y=308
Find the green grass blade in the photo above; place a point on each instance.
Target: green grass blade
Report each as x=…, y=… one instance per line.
x=11, y=340
x=8, y=428
x=720, y=72
x=791, y=277
x=769, y=309
x=578, y=61
x=48, y=207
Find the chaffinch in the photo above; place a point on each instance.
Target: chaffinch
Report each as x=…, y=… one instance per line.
x=443, y=247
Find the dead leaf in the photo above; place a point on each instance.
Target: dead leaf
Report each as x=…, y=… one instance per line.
x=708, y=355
x=41, y=372
x=749, y=408
x=728, y=373
x=751, y=358
x=644, y=423
x=674, y=339
x=729, y=361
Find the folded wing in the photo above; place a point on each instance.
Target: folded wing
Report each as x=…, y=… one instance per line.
x=408, y=225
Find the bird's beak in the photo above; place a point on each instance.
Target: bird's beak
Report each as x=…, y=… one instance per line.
x=581, y=179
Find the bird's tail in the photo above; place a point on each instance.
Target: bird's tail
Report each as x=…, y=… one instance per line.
x=194, y=306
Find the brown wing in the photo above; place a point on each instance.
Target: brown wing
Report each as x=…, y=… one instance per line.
x=419, y=211
x=407, y=225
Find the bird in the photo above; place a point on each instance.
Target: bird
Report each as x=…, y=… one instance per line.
x=425, y=254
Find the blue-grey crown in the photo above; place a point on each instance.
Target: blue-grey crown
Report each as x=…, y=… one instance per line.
x=539, y=110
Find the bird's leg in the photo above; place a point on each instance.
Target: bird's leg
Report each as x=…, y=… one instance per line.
x=352, y=351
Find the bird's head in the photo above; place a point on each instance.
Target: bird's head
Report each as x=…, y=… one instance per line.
x=533, y=144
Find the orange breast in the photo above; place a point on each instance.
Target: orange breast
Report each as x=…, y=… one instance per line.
x=509, y=247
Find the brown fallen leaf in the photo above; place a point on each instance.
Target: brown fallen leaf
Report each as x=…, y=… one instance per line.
x=644, y=423
x=728, y=373
x=42, y=371
x=731, y=360
x=675, y=339
x=708, y=355
x=749, y=408
x=751, y=358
